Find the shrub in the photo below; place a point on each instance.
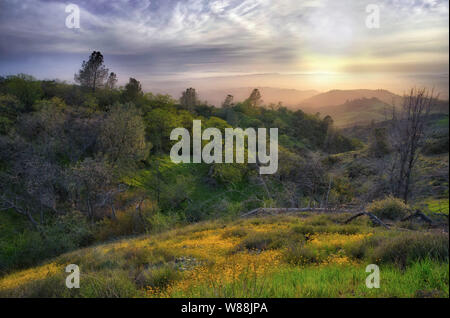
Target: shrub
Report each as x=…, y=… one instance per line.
x=263, y=241
x=111, y=228
x=110, y=284
x=340, y=229
x=238, y=232
x=409, y=247
x=300, y=254
x=158, y=278
x=229, y=173
x=28, y=247
x=130, y=221
x=258, y=241
x=389, y=208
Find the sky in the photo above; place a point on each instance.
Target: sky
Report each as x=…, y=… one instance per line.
x=300, y=44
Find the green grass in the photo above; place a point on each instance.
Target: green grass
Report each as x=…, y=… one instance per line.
x=422, y=279
x=285, y=256
x=443, y=122
x=438, y=205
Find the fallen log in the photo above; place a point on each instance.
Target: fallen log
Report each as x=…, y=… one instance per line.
x=440, y=214
x=287, y=210
x=420, y=215
x=372, y=217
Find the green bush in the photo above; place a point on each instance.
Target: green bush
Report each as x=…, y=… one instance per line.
x=306, y=229
x=159, y=277
x=401, y=249
x=300, y=254
x=412, y=246
x=29, y=247
x=389, y=208
x=262, y=241
x=239, y=232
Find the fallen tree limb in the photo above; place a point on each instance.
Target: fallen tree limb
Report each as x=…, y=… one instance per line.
x=420, y=215
x=372, y=217
x=440, y=214
x=286, y=210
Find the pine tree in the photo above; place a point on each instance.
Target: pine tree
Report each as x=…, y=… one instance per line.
x=92, y=73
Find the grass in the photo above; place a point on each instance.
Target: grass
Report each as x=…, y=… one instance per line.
x=438, y=205
x=284, y=256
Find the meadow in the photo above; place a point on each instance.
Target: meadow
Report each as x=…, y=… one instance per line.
x=302, y=255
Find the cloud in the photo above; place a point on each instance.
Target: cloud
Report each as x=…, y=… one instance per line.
x=162, y=38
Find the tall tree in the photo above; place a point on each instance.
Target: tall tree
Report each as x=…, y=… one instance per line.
x=228, y=102
x=133, y=90
x=26, y=88
x=111, y=82
x=255, y=98
x=92, y=73
x=407, y=132
x=189, y=98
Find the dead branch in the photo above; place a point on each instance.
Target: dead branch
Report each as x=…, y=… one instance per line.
x=274, y=211
x=372, y=217
x=420, y=215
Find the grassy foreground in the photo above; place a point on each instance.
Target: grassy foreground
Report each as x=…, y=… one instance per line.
x=284, y=256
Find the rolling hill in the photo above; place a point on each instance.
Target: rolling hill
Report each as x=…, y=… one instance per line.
x=359, y=111
x=359, y=106
x=339, y=97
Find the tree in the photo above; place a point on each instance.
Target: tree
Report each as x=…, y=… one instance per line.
x=407, y=130
x=378, y=143
x=133, y=90
x=92, y=73
x=255, y=98
x=189, y=98
x=10, y=109
x=26, y=88
x=228, y=102
x=90, y=182
x=122, y=137
x=111, y=82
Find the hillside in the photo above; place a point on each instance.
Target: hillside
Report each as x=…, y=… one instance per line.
x=305, y=255
x=339, y=97
x=363, y=111
x=359, y=111
x=109, y=176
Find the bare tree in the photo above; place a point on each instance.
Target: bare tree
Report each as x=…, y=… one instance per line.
x=407, y=132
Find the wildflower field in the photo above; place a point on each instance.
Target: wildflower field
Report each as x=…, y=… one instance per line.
x=285, y=256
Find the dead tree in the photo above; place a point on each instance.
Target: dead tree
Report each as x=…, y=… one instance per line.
x=407, y=131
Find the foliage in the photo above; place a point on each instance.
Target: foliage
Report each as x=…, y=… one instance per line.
x=92, y=73
x=389, y=208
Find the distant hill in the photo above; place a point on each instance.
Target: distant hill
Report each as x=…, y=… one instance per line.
x=339, y=97
x=359, y=111
x=362, y=111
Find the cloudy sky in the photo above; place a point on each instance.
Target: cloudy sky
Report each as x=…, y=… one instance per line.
x=302, y=44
